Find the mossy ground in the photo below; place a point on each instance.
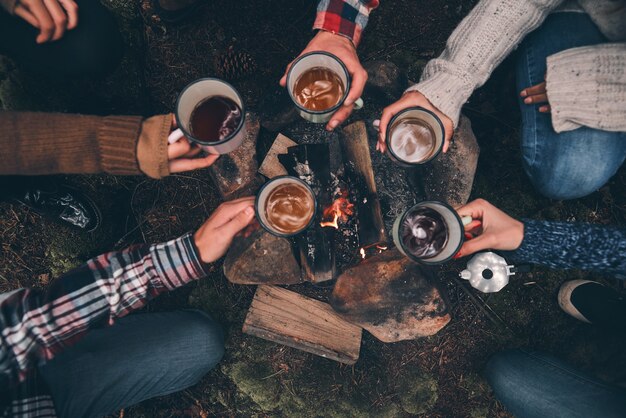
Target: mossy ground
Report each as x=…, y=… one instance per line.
x=435, y=377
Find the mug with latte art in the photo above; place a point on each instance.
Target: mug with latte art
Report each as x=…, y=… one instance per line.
x=285, y=206
x=318, y=83
x=430, y=232
x=414, y=136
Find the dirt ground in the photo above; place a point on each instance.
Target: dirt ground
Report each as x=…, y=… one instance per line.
x=431, y=377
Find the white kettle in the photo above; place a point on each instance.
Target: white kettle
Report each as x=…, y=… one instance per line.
x=487, y=272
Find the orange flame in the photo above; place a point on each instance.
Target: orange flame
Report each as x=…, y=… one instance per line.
x=340, y=210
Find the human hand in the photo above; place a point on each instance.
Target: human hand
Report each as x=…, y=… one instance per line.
x=182, y=155
x=536, y=95
x=51, y=17
x=344, y=49
x=495, y=229
x=412, y=99
x=217, y=233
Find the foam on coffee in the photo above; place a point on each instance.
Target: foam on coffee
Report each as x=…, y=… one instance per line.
x=318, y=88
x=424, y=232
x=289, y=208
x=412, y=140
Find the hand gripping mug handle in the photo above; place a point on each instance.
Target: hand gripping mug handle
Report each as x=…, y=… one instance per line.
x=358, y=104
x=175, y=136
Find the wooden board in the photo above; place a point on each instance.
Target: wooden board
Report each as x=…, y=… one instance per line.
x=285, y=317
x=271, y=167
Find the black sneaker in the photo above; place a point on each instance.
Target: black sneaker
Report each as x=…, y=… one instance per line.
x=63, y=203
x=593, y=303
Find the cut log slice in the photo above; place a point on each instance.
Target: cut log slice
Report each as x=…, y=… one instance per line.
x=285, y=317
x=271, y=167
x=392, y=298
x=235, y=173
x=450, y=176
x=261, y=258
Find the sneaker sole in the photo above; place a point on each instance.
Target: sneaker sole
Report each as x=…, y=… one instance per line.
x=565, y=301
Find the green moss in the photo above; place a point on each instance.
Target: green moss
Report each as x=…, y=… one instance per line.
x=256, y=381
x=482, y=412
x=418, y=391
x=475, y=386
x=66, y=249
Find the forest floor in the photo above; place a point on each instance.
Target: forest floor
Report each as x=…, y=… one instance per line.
x=439, y=376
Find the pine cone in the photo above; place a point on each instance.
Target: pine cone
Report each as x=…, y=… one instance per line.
x=233, y=65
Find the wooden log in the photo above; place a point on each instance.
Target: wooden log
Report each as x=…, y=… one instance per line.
x=358, y=165
x=271, y=167
x=311, y=163
x=261, y=258
x=235, y=173
x=285, y=317
x=392, y=298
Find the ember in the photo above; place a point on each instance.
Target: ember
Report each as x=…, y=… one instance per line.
x=340, y=210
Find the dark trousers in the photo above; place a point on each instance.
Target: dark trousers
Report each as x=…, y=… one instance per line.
x=92, y=49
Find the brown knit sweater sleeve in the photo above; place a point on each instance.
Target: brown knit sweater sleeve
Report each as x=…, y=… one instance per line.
x=51, y=143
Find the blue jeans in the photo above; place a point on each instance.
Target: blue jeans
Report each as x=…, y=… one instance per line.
x=570, y=164
x=532, y=385
x=138, y=358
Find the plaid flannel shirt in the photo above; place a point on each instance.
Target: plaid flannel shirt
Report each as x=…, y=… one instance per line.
x=37, y=325
x=344, y=17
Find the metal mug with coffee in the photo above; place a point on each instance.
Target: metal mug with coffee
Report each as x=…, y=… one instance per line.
x=414, y=136
x=430, y=232
x=318, y=83
x=211, y=114
x=285, y=206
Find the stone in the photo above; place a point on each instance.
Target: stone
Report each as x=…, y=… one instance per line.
x=450, y=176
x=235, y=173
x=385, y=80
x=259, y=257
x=392, y=298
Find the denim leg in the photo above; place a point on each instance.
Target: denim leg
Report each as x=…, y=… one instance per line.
x=138, y=358
x=533, y=385
x=570, y=164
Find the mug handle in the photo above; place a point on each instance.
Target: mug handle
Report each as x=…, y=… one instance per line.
x=358, y=104
x=175, y=136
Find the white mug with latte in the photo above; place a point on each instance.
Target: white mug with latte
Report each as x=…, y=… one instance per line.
x=414, y=136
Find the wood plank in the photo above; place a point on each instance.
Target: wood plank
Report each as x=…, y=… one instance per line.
x=288, y=318
x=271, y=167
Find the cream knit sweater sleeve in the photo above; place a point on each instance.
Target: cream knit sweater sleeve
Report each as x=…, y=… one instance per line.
x=480, y=42
x=587, y=87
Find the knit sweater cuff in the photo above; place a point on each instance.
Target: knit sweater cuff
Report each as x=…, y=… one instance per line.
x=117, y=136
x=8, y=5
x=447, y=92
x=152, y=146
x=586, y=86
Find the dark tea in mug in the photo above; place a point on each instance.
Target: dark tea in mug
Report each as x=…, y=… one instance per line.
x=318, y=88
x=215, y=119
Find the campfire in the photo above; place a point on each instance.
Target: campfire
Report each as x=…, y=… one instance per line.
x=340, y=210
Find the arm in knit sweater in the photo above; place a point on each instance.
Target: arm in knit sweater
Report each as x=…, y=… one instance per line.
x=481, y=41
x=58, y=143
x=573, y=245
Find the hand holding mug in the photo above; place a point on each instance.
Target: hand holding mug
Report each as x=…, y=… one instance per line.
x=495, y=229
x=183, y=155
x=51, y=17
x=217, y=233
x=412, y=99
x=344, y=49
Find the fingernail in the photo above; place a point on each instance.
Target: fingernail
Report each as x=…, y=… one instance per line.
x=249, y=210
x=528, y=100
x=333, y=124
x=523, y=93
x=457, y=255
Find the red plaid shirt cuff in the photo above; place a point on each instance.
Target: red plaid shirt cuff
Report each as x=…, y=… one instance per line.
x=344, y=17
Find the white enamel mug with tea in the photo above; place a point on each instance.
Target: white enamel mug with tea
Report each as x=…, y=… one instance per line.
x=454, y=227
x=197, y=92
x=326, y=60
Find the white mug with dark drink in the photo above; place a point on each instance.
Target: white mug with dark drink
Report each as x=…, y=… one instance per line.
x=430, y=232
x=414, y=136
x=285, y=206
x=318, y=83
x=210, y=113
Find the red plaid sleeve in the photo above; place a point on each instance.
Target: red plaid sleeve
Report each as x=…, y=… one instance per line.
x=344, y=17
